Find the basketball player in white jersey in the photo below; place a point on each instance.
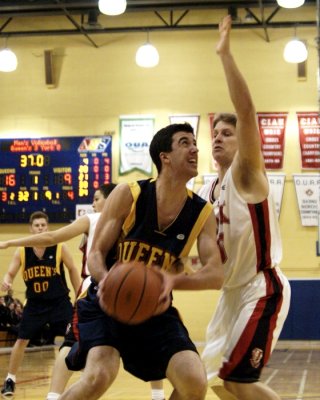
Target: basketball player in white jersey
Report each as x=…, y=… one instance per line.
x=255, y=298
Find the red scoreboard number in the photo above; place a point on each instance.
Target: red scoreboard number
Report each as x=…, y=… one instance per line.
x=51, y=175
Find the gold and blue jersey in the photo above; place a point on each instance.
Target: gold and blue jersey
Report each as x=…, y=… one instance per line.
x=141, y=238
x=44, y=277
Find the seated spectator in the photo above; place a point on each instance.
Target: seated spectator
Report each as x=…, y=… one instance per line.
x=4, y=314
x=15, y=315
x=9, y=297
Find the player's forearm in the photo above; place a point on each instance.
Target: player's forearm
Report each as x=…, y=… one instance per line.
x=208, y=277
x=238, y=88
x=75, y=280
x=42, y=239
x=7, y=281
x=96, y=265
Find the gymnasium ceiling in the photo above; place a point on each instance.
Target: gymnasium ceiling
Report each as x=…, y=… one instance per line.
x=21, y=18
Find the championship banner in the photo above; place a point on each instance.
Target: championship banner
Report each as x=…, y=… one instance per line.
x=272, y=128
x=309, y=134
x=192, y=119
x=276, y=183
x=307, y=190
x=136, y=133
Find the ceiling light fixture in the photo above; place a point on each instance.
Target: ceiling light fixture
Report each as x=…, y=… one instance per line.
x=112, y=7
x=8, y=60
x=290, y=3
x=147, y=55
x=295, y=51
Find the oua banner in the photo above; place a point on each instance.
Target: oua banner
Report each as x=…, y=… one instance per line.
x=136, y=132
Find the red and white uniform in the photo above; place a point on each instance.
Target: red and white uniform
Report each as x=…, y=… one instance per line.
x=255, y=298
x=85, y=247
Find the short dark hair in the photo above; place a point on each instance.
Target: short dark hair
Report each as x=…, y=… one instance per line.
x=36, y=215
x=107, y=188
x=228, y=118
x=162, y=141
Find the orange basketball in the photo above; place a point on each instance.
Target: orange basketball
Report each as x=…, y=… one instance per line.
x=130, y=292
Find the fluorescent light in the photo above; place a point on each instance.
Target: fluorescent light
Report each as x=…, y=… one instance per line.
x=112, y=7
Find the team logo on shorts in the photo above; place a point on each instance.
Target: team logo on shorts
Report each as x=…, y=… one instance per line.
x=256, y=357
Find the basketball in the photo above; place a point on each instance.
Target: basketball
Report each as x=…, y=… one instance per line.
x=130, y=292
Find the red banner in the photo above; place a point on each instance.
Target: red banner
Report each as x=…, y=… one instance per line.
x=272, y=128
x=309, y=133
x=211, y=118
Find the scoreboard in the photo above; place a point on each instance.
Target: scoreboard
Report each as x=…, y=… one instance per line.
x=51, y=174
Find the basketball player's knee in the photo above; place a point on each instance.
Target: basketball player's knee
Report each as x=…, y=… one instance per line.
x=96, y=382
x=197, y=387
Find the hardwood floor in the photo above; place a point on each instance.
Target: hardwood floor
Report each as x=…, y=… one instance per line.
x=293, y=371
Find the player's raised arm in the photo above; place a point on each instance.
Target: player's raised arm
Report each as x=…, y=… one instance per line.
x=248, y=164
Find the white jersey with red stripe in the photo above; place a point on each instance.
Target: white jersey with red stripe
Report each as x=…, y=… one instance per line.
x=248, y=234
x=86, y=242
x=255, y=298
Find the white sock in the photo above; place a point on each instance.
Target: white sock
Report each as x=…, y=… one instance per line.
x=157, y=394
x=12, y=377
x=53, y=396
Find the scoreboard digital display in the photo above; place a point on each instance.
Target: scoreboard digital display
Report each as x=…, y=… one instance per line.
x=51, y=174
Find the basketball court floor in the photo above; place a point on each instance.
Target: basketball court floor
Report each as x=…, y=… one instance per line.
x=293, y=371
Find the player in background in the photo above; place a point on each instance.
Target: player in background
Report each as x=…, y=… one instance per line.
x=47, y=292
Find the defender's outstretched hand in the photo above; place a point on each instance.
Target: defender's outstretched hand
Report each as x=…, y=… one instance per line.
x=224, y=30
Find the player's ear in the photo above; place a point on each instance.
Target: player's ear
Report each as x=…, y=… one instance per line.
x=164, y=157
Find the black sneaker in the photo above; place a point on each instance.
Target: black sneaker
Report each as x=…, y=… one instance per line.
x=8, y=388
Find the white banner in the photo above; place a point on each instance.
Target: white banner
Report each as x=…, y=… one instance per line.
x=276, y=183
x=307, y=190
x=136, y=133
x=192, y=119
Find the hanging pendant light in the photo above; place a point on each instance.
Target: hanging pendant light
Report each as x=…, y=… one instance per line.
x=147, y=55
x=8, y=60
x=290, y=3
x=295, y=51
x=112, y=7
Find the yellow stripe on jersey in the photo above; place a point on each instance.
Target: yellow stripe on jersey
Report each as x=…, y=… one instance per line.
x=58, y=258
x=22, y=259
x=203, y=216
x=130, y=220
